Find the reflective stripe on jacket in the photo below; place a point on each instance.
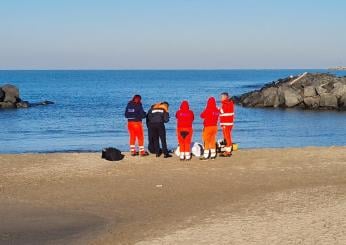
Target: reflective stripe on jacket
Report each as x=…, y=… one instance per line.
x=227, y=113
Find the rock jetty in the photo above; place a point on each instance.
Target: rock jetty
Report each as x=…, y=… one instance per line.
x=338, y=68
x=318, y=91
x=9, y=98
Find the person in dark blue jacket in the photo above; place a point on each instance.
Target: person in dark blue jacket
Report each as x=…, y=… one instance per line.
x=151, y=147
x=135, y=113
x=157, y=117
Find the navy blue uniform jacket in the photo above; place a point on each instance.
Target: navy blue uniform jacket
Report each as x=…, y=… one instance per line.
x=134, y=112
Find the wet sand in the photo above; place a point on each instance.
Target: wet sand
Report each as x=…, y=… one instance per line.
x=267, y=196
x=23, y=223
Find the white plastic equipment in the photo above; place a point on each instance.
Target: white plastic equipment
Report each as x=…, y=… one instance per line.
x=196, y=149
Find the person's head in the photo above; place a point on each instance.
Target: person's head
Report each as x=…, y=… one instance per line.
x=165, y=103
x=137, y=99
x=162, y=105
x=184, y=105
x=211, y=104
x=224, y=96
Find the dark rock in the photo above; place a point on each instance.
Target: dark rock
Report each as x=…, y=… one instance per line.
x=312, y=102
x=9, y=98
x=342, y=102
x=2, y=95
x=10, y=90
x=329, y=101
x=11, y=93
x=291, y=97
x=281, y=95
x=23, y=104
x=46, y=102
x=339, y=89
x=321, y=90
x=307, y=91
x=7, y=105
x=270, y=97
x=253, y=99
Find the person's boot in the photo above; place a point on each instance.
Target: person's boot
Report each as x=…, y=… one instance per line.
x=133, y=150
x=205, y=156
x=182, y=156
x=226, y=154
x=144, y=153
x=212, y=154
x=167, y=155
x=187, y=156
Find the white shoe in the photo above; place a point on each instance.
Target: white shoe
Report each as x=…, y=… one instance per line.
x=212, y=154
x=188, y=156
x=205, y=155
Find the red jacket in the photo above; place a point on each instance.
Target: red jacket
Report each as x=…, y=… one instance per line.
x=211, y=113
x=227, y=113
x=184, y=116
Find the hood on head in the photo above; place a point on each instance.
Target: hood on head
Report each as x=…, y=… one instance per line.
x=211, y=102
x=185, y=105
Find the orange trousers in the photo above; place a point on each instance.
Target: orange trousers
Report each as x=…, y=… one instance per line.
x=136, y=133
x=227, y=134
x=209, y=137
x=184, y=139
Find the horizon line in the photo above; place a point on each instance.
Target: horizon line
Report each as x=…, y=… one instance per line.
x=153, y=69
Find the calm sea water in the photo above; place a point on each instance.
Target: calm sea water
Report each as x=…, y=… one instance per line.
x=88, y=114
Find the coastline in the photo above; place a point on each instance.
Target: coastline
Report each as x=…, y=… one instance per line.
x=84, y=199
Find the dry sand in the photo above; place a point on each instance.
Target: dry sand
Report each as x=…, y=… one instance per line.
x=267, y=196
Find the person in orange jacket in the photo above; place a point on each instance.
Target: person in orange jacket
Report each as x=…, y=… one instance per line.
x=211, y=116
x=134, y=113
x=226, y=122
x=185, y=118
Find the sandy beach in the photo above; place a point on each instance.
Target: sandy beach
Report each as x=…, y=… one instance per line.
x=265, y=196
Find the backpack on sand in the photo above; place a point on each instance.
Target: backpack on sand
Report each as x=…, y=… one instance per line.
x=197, y=149
x=112, y=154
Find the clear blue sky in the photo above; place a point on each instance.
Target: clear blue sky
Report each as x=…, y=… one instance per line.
x=150, y=34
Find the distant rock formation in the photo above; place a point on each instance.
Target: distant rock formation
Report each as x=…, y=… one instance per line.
x=317, y=91
x=9, y=98
x=338, y=68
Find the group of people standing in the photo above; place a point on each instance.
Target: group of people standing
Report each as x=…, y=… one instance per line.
x=158, y=115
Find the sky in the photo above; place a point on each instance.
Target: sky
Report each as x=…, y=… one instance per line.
x=177, y=34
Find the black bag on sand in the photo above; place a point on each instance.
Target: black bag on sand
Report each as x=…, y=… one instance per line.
x=112, y=154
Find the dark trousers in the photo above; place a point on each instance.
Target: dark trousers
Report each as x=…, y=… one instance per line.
x=151, y=147
x=158, y=132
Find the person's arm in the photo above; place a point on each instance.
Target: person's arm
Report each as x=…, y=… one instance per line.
x=142, y=112
x=149, y=116
x=203, y=114
x=166, y=117
x=192, y=116
x=232, y=110
x=127, y=112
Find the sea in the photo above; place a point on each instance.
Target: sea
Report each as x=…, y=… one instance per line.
x=88, y=113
